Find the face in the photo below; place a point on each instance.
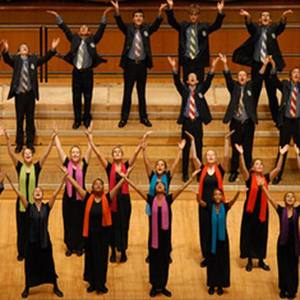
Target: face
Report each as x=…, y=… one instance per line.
x=23, y=49
x=117, y=153
x=98, y=186
x=211, y=157
x=265, y=18
x=218, y=196
x=138, y=19
x=83, y=30
x=75, y=154
x=192, y=79
x=194, y=17
x=160, y=188
x=242, y=77
x=290, y=199
x=27, y=155
x=295, y=75
x=38, y=194
x=258, y=166
x=160, y=167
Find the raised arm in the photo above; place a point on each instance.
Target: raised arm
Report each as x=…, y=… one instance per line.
x=122, y=26
x=157, y=22
x=276, y=170
x=269, y=196
x=243, y=168
x=251, y=27
x=179, y=85
x=282, y=22
x=8, y=59
x=61, y=153
x=227, y=74
x=43, y=59
x=233, y=200
x=219, y=19
x=297, y=150
x=226, y=159
x=132, y=184
x=134, y=156
x=196, y=161
x=103, y=161
x=173, y=167
x=88, y=152
x=171, y=17
x=100, y=31
x=184, y=186
x=56, y=192
x=210, y=75
x=48, y=150
x=18, y=193
x=11, y=153
x=117, y=187
x=147, y=162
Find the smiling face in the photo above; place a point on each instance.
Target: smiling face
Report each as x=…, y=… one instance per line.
x=84, y=30
x=160, y=167
x=289, y=199
x=138, y=18
x=38, y=194
x=117, y=153
x=192, y=80
x=258, y=166
x=23, y=49
x=75, y=154
x=242, y=77
x=160, y=188
x=265, y=18
x=27, y=155
x=98, y=186
x=211, y=157
x=218, y=196
x=295, y=75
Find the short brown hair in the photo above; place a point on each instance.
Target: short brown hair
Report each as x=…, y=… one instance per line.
x=194, y=9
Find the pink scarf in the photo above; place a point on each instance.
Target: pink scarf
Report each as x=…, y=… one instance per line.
x=112, y=183
x=164, y=220
x=78, y=178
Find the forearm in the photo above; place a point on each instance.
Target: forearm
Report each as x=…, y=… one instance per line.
x=143, y=195
x=135, y=155
x=60, y=150
x=243, y=167
x=76, y=185
x=147, y=163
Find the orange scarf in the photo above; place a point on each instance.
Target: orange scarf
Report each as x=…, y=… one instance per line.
x=106, y=214
x=203, y=174
x=253, y=197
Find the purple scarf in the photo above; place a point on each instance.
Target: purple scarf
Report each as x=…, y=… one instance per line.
x=164, y=220
x=78, y=178
x=284, y=234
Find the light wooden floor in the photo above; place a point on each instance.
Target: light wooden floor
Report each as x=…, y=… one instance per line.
x=129, y=281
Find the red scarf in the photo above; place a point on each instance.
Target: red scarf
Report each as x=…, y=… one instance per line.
x=203, y=174
x=253, y=197
x=112, y=183
x=106, y=215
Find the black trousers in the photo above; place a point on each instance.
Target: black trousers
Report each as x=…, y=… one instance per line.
x=243, y=135
x=82, y=83
x=289, y=129
x=192, y=66
x=194, y=127
x=25, y=106
x=22, y=229
x=134, y=72
x=271, y=91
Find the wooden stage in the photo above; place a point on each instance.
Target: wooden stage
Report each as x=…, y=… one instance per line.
x=129, y=281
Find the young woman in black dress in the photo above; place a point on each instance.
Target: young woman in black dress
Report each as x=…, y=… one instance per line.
x=255, y=220
x=120, y=204
x=72, y=204
x=28, y=177
x=288, y=245
x=159, y=245
x=39, y=263
x=210, y=177
x=218, y=260
x=96, y=231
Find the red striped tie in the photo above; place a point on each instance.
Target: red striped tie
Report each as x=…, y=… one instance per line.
x=293, y=109
x=192, y=112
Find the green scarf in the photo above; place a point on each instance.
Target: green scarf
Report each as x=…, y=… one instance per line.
x=23, y=187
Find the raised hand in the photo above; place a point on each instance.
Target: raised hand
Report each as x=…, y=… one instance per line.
x=196, y=172
x=271, y=60
x=289, y=11
x=244, y=13
x=146, y=135
x=223, y=58
x=170, y=3
x=229, y=134
x=181, y=144
x=115, y=4
x=214, y=62
x=107, y=10
x=284, y=149
x=190, y=136
x=172, y=62
x=161, y=8
x=64, y=170
x=54, y=133
x=5, y=45
x=52, y=12
x=55, y=43
x=220, y=6
x=297, y=150
x=239, y=148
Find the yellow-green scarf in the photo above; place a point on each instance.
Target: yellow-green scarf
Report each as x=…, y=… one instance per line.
x=22, y=185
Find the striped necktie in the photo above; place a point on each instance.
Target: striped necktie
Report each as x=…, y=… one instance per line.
x=24, y=84
x=294, y=96
x=80, y=53
x=263, y=49
x=192, y=111
x=241, y=104
x=192, y=49
x=137, y=45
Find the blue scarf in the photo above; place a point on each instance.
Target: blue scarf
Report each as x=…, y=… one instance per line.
x=218, y=222
x=152, y=185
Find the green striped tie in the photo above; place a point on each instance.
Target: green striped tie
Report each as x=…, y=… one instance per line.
x=193, y=43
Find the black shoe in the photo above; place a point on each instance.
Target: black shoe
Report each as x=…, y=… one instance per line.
x=122, y=123
x=58, y=292
x=153, y=292
x=30, y=146
x=87, y=123
x=113, y=258
x=68, y=253
x=76, y=125
x=147, y=260
x=102, y=290
x=25, y=293
x=166, y=292
x=90, y=289
x=18, y=148
x=220, y=291
x=249, y=266
x=291, y=296
x=79, y=252
x=276, y=180
x=203, y=263
x=282, y=294
x=185, y=178
x=20, y=257
x=263, y=266
x=211, y=290
x=123, y=258
x=233, y=176
x=146, y=122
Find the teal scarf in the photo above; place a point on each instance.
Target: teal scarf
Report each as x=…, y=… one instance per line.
x=218, y=222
